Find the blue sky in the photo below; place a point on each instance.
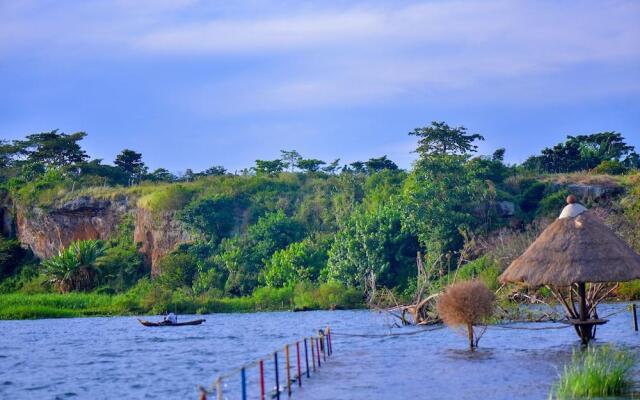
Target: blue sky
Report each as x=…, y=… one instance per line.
x=192, y=84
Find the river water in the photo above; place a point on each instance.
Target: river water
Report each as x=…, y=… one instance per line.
x=117, y=358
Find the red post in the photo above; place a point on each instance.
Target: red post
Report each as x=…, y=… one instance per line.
x=299, y=367
x=261, y=380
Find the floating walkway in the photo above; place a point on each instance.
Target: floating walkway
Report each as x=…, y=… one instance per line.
x=301, y=359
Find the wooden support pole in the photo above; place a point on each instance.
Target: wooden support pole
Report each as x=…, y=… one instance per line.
x=313, y=354
x=261, y=380
x=299, y=366
x=288, y=366
x=306, y=357
x=329, y=341
x=275, y=362
x=318, y=350
x=635, y=317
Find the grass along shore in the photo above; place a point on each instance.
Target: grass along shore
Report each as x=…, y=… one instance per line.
x=153, y=301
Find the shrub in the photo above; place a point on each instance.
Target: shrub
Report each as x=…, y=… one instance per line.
x=484, y=268
x=596, y=371
x=551, y=205
x=629, y=291
x=74, y=267
x=466, y=304
x=610, y=167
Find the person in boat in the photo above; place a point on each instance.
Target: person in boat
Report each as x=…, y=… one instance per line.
x=171, y=318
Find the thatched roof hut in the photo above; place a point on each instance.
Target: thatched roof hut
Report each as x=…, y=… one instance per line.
x=576, y=250
x=572, y=250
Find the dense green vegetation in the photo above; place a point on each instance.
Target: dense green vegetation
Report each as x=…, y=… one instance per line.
x=596, y=372
x=296, y=232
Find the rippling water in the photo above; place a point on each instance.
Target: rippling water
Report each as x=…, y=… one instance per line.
x=101, y=358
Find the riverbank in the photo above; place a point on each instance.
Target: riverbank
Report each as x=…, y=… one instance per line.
x=152, y=302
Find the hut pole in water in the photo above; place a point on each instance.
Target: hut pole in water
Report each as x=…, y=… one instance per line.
x=585, y=329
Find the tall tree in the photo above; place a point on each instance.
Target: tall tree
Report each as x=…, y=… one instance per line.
x=332, y=167
x=53, y=148
x=440, y=138
x=269, y=167
x=310, y=164
x=216, y=170
x=290, y=158
x=131, y=163
x=379, y=164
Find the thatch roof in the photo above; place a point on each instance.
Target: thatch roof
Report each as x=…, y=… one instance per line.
x=572, y=250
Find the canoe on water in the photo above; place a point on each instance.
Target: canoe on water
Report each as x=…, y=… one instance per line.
x=163, y=323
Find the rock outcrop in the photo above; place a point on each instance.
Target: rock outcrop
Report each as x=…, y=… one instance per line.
x=158, y=234
x=45, y=232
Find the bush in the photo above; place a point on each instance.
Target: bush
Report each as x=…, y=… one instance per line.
x=177, y=270
x=11, y=256
x=610, y=167
x=629, y=291
x=596, y=371
x=466, y=304
x=552, y=204
x=273, y=298
x=169, y=197
x=483, y=268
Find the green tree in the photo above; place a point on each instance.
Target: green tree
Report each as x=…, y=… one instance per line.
x=298, y=262
x=440, y=195
x=216, y=170
x=132, y=164
x=441, y=139
x=245, y=256
x=290, y=159
x=379, y=164
x=161, y=175
x=177, y=269
x=373, y=242
x=53, y=149
x=310, y=164
x=213, y=217
x=269, y=167
x=332, y=167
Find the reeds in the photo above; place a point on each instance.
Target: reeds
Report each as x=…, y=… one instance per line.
x=596, y=371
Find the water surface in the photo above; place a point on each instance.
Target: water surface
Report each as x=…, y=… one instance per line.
x=102, y=358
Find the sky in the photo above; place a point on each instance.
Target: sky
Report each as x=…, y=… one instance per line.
x=192, y=84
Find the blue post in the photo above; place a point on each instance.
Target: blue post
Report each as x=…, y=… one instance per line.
x=243, y=375
x=275, y=360
x=306, y=357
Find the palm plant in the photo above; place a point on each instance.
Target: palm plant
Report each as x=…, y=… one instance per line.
x=74, y=267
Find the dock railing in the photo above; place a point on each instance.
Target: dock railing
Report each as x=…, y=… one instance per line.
x=310, y=353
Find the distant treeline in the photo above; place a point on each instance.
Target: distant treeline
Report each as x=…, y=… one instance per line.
x=294, y=222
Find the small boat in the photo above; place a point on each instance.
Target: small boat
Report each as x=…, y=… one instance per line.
x=165, y=323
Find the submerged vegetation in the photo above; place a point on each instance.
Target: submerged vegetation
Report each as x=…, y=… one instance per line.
x=299, y=233
x=597, y=371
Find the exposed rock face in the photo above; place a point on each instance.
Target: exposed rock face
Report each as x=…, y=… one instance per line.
x=45, y=232
x=592, y=192
x=159, y=233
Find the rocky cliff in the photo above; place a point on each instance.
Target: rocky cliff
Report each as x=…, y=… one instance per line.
x=45, y=232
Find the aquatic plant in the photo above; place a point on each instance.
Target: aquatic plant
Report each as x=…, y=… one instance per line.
x=596, y=371
x=465, y=305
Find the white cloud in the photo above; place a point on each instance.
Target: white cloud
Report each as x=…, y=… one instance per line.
x=328, y=55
